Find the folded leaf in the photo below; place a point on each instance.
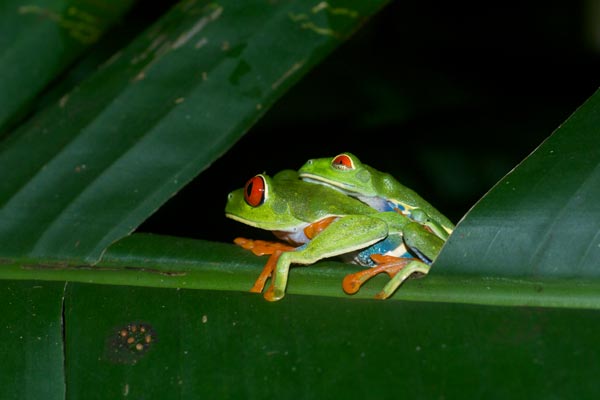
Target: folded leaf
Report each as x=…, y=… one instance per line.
x=154, y=116
x=543, y=218
x=39, y=40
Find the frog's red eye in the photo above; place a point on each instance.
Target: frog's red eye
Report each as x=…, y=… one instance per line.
x=342, y=162
x=254, y=191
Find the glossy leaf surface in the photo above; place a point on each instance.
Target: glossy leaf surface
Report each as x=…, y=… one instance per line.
x=31, y=340
x=38, y=41
x=235, y=345
x=167, y=262
x=163, y=109
x=542, y=219
x=155, y=115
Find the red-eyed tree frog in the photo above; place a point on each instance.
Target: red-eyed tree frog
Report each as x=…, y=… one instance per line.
x=379, y=190
x=320, y=222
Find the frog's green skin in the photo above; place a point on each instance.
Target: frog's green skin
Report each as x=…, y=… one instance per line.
x=380, y=190
x=289, y=205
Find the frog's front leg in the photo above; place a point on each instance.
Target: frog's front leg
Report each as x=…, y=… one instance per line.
x=259, y=248
x=425, y=220
x=266, y=273
x=347, y=234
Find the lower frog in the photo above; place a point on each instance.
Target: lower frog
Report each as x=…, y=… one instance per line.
x=380, y=190
x=318, y=222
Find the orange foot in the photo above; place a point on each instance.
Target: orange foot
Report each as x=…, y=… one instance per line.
x=259, y=285
x=260, y=248
x=388, y=264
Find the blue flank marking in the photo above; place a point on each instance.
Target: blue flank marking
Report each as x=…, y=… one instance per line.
x=401, y=208
x=379, y=203
x=387, y=206
x=392, y=206
x=389, y=244
x=396, y=205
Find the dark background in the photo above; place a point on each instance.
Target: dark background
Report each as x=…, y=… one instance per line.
x=447, y=97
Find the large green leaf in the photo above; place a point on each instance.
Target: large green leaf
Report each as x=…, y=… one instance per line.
x=83, y=187
x=32, y=340
x=169, y=262
x=155, y=115
x=205, y=344
x=541, y=220
x=38, y=40
x=480, y=278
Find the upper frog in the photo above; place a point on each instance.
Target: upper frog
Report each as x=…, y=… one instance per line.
x=378, y=189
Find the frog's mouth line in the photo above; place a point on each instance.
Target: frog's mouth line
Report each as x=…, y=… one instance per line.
x=319, y=180
x=262, y=225
x=242, y=220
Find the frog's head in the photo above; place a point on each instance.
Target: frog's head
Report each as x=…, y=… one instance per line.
x=258, y=204
x=344, y=172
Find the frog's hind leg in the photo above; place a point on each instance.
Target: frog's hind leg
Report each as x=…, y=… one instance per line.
x=400, y=276
x=398, y=269
x=388, y=264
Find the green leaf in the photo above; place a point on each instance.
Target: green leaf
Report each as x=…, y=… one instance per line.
x=205, y=344
x=31, y=341
x=39, y=40
x=541, y=220
x=155, y=115
x=85, y=172
x=169, y=262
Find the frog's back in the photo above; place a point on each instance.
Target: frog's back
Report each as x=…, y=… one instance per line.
x=317, y=201
x=397, y=193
